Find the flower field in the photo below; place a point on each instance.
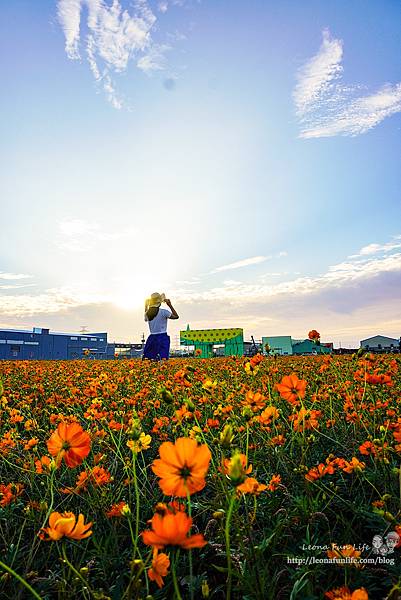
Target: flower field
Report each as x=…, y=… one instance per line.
x=232, y=478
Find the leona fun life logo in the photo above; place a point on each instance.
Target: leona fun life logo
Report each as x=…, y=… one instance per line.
x=386, y=545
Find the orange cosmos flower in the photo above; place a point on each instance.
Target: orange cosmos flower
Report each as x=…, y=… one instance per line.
x=270, y=413
x=42, y=465
x=255, y=401
x=344, y=593
x=346, y=551
x=251, y=486
x=10, y=492
x=182, y=467
x=159, y=568
x=398, y=530
x=32, y=443
x=291, y=388
x=274, y=482
x=71, y=442
x=314, y=335
x=171, y=529
x=65, y=524
x=118, y=510
x=353, y=465
x=316, y=472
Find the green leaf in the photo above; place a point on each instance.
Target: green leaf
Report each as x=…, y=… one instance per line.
x=220, y=569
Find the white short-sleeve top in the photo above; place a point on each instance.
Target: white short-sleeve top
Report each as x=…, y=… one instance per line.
x=159, y=323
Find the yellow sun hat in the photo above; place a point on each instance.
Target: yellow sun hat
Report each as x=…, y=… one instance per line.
x=155, y=300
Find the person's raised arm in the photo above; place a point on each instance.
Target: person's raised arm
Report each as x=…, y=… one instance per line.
x=174, y=314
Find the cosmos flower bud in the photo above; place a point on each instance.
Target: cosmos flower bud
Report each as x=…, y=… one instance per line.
x=219, y=514
x=226, y=436
x=236, y=471
x=205, y=589
x=126, y=511
x=189, y=404
x=247, y=413
x=135, y=429
x=167, y=396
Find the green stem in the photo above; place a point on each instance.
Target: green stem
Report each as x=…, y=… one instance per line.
x=137, y=507
x=247, y=441
x=228, y=550
x=191, y=574
x=76, y=572
x=175, y=582
x=20, y=579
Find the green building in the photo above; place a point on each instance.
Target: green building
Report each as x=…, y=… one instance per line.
x=309, y=347
x=205, y=339
x=279, y=344
x=285, y=345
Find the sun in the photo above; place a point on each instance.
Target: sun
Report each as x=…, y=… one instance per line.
x=128, y=301
x=143, y=274
x=131, y=295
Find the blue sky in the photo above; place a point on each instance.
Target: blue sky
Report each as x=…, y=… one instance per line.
x=243, y=157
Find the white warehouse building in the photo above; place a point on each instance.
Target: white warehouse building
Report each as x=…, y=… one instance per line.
x=380, y=342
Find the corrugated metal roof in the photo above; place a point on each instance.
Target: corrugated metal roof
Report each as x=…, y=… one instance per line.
x=30, y=331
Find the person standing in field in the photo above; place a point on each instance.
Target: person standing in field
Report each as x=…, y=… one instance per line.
x=157, y=345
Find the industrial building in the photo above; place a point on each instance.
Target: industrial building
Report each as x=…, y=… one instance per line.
x=381, y=343
x=285, y=345
x=43, y=344
x=40, y=343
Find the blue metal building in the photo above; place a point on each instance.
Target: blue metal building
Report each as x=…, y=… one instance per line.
x=39, y=344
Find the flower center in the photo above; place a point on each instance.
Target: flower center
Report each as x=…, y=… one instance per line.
x=185, y=472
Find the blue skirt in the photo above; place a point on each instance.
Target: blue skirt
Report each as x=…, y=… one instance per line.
x=157, y=346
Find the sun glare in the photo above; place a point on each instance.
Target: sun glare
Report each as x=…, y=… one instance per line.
x=131, y=295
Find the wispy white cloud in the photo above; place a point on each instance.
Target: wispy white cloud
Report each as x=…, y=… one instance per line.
x=246, y=262
x=14, y=276
x=163, y=6
x=69, y=15
x=113, y=37
x=316, y=77
x=155, y=59
x=76, y=227
x=336, y=277
x=374, y=248
x=49, y=301
x=78, y=235
x=326, y=107
x=192, y=281
x=16, y=286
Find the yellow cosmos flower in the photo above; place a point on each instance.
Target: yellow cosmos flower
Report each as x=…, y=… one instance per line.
x=142, y=443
